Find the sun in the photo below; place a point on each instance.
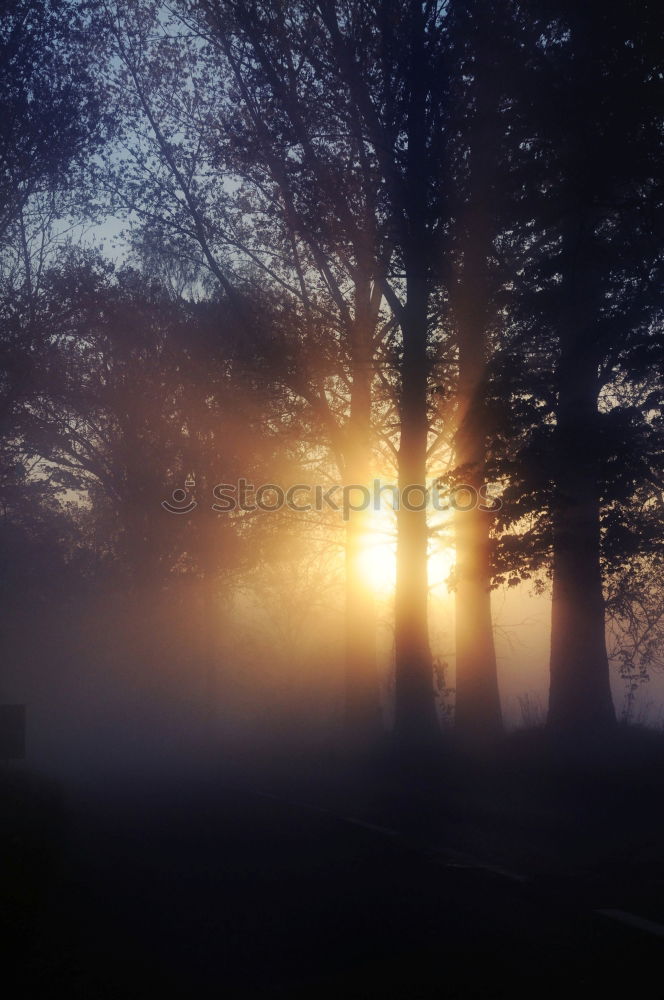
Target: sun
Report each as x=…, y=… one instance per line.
x=377, y=560
x=441, y=563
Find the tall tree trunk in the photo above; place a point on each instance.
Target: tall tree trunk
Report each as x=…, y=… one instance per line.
x=416, y=724
x=362, y=696
x=580, y=702
x=478, y=714
x=415, y=714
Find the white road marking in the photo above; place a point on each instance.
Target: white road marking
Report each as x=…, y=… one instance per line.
x=633, y=920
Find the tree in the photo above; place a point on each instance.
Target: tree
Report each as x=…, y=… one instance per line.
x=475, y=168
x=602, y=71
x=584, y=303
x=50, y=121
x=271, y=229
x=49, y=107
x=387, y=58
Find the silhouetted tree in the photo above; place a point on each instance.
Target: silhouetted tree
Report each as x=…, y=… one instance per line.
x=584, y=305
x=601, y=69
x=290, y=224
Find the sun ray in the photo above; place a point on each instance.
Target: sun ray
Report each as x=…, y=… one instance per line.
x=377, y=561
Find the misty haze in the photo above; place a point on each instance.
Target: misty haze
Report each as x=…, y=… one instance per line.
x=332, y=534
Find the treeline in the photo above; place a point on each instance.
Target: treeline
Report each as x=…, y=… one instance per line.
x=416, y=236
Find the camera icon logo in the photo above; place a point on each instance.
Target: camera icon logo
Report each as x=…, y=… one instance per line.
x=182, y=502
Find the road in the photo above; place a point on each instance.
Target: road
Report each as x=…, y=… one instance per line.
x=201, y=890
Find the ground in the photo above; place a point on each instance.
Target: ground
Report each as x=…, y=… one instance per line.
x=519, y=878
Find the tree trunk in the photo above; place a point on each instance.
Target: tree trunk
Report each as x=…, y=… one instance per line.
x=580, y=702
x=415, y=714
x=362, y=698
x=416, y=725
x=478, y=716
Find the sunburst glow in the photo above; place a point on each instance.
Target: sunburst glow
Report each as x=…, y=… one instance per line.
x=377, y=561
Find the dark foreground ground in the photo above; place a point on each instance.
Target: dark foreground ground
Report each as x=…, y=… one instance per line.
x=523, y=877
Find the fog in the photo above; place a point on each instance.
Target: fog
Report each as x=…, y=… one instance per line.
x=259, y=679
